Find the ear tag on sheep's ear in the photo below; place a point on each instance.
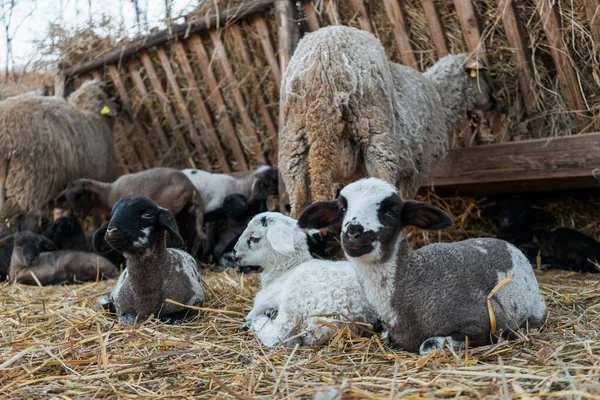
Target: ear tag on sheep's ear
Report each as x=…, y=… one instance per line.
x=105, y=110
x=473, y=73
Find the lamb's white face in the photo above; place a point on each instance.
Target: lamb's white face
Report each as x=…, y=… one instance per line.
x=268, y=237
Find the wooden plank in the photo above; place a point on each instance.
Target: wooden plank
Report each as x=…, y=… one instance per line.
x=332, y=13
x=215, y=96
x=215, y=19
x=166, y=107
x=253, y=80
x=522, y=58
x=396, y=17
x=217, y=148
x=312, y=18
x=538, y=164
x=362, y=15
x=560, y=53
x=265, y=40
x=592, y=9
x=141, y=88
x=436, y=28
x=147, y=152
x=250, y=133
x=187, y=116
x=287, y=30
x=59, y=84
x=468, y=23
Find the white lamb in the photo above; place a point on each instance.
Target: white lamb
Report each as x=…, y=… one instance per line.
x=298, y=291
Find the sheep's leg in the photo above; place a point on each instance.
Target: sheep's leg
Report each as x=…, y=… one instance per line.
x=201, y=237
x=45, y=274
x=294, y=167
x=318, y=333
x=272, y=332
x=438, y=342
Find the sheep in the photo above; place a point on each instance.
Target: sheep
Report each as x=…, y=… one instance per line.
x=259, y=184
x=167, y=187
x=296, y=287
x=347, y=112
x=47, y=142
x=439, y=291
x=562, y=248
x=35, y=254
x=67, y=234
x=139, y=228
x=5, y=256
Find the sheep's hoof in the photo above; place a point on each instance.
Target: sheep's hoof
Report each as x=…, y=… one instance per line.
x=243, y=328
x=247, y=269
x=271, y=313
x=127, y=319
x=438, y=342
x=107, y=304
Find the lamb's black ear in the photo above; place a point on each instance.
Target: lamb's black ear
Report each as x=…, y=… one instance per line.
x=98, y=242
x=47, y=244
x=492, y=211
x=167, y=221
x=7, y=241
x=61, y=201
x=320, y=215
x=214, y=215
x=424, y=216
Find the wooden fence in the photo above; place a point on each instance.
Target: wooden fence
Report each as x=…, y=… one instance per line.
x=205, y=93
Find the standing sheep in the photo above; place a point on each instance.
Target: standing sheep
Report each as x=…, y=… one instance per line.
x=347, y=112
x=46, y=142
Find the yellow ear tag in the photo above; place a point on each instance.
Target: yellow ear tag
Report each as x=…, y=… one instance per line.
x=473, y=73
x=105, y=110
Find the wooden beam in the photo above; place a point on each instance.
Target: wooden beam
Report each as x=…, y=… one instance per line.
x=396, y=17
x=250, y=133
x=311, y=16
x=538, y=164
x=59, y=84
x=436, y=28
x=166, y=107
x=592, y=9
x=362, y=15
x=147, y=152
x=332, y=13
x=126, y=50
x=255, y=86
x=265, y=40
x=215, y=141
x=141, y=88
x=215, y=96
x=470, y=28
x=522, y=58
x=287, y=29
x=560, y=53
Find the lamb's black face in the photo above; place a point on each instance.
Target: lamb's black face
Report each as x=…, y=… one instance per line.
x=80, y=199
x=132, y=224
x=29, y=245
x=235, y=207
x=265, y=183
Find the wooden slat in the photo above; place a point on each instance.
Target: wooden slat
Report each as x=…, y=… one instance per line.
x=166, y=107
x=592, y=9
x=436, y=28
x=311, y=16
x=470, y=28
x=154, y=119
x=59, y=84
x=147, y=152
x=560, y=54
x=362, y=15
x=522, y=58
x=332, y=13
x=253, y=80
x=250, y=133
x=215, y=95
x=396, y=17
x=214, y=142
x=126, y=50
x=265, y=40
x=287, y=29
x=537, y=164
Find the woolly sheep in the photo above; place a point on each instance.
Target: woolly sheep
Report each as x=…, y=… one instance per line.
x=139, y=228
x=45, y=142
x=296, y=286
x=347, y=112
x=34, y=254
x=438, y=291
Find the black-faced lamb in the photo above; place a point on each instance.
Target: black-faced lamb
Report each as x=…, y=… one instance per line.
x=347, y=112
x=139, y=228
x=47, y=142
x=562, y=248
x=299, y=289
x=439, y=291
x=35, y=254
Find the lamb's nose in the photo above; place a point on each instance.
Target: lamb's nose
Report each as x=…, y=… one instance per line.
x=111, y=232
x=354, y=231
x=236, y=257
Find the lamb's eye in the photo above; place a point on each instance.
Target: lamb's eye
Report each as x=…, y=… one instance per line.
x=147, y=216
x=392, y=213
x=254, y=239
x=342, y=208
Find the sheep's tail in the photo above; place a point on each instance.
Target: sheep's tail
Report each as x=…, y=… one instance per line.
x=324, y=127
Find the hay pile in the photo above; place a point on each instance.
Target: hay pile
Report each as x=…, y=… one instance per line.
x=55, y=343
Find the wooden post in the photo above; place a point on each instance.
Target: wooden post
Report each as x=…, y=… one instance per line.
x=332, y=13
x=166, y=108
x=59, y=84
x=560, y=54
x=311, y=16
x=362, y=15
x=215, y=142
x=251, y=136
x=436, y=28
x=592, y=9
x=263, y=34
x=215, y=96
x=396, y=17
x=522, y=58
x=287, y=30
x=468, y=24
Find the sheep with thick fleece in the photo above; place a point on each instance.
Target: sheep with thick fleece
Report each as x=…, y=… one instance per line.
x=45, y=142
x=347, y=112
x=299, y=289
